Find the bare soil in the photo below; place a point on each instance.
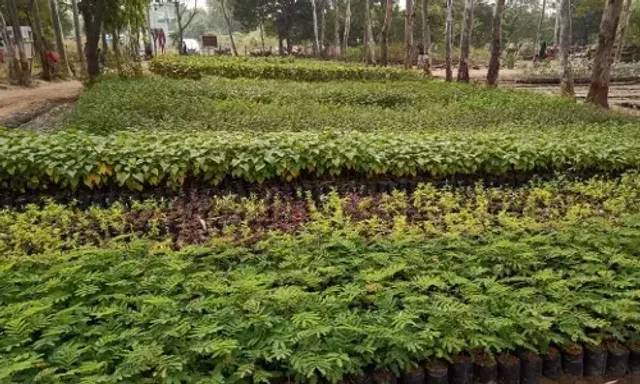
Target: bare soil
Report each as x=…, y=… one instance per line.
x=51, y=120
x=22, y=105
x=623, y=95
x=478, y=75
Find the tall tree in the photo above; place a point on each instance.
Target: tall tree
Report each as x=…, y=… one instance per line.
x=336, y=29
x=250, y=14
x=261, y=27
x=115, y=42
x=323, y=6
x=40, y=41
x=181, y=12
x=426, y=35
x=60, y=47
x=566, y=82
x=229, y=28
x=76, y=28
x=291, y=20
x=599, y=89
x=365, y=32
x=623, y=30
x=127, y=16
x=409, y=16
x=347, y=27
x=465, y=42
x=556, y=30
x=316, y=36
x=93, y=13
x=9, y=51
x=20, y=62
x=369, y=49
x=105, y=43
x=372, y=42
x=386, y=32
x=536, y=41
x=147, y=33
x=496, y=44
x=449, y=41
x=181, y=29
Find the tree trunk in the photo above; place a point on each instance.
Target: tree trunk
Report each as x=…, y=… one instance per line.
x=556, y=30
x=365, y=34
x=9, y=51
x=566, y=82
x=386, y=31
x=180, y=29
x=449, y=41
x=262, y=34
x=571, y=25
x=336, y=30
x=147, y=28
x=426, y=35
x=623, y=31
x=372, y=42
x=228, y=22
x=369, y=53
x=60, y=47
x=116, y=49
x=465, y=42
x=20, y=61
x=409, y=15
x=40, y=42
x=599, y=89
x=135, y=42
x=105, y=44
x=76, y=27
x=496, y=45
x=93, y=19
x=316, y=38
x=536, y=42
x=4, y=30
x=347, y=27
x=322, y=29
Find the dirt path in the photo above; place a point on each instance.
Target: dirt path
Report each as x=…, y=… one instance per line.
x=21, y=105
x=479, y=75
x=623, y=95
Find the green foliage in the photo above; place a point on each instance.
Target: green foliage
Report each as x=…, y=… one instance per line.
x=323, y=304
x=428, y=212
x=194, y=67
x=55, y=227
x=435, y=211
x=269, y=105
x=135, y=160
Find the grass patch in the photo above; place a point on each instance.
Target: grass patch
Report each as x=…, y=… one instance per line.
x=268, y=106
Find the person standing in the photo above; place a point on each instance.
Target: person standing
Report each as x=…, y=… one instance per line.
x=53, y=62
x=423, y=58
x=162, y=39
